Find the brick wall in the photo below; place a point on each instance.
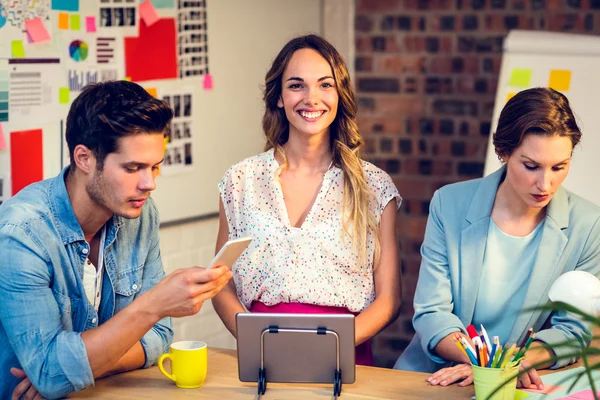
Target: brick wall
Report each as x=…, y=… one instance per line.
x=426, y=76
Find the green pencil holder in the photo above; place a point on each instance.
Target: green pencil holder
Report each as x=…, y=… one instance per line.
x=486, y=380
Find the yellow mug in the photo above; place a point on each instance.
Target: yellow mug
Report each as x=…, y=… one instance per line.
x=189, y=361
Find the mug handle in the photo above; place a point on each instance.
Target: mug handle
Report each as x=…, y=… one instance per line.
x=162, y=369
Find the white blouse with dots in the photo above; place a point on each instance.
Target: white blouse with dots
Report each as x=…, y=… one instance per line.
x=314, y=264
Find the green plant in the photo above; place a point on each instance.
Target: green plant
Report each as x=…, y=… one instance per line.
x=589, y=355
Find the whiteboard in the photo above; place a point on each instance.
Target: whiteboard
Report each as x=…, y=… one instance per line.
x=243, y=38
x=541, y=53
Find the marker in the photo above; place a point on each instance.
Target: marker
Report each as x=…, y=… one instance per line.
x=486, y=337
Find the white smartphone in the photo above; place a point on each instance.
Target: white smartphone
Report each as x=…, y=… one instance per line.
x=230, y=252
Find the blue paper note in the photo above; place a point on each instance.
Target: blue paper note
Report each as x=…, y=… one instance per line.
x=65, y=5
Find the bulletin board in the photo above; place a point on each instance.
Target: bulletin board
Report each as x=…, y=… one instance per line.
x=207, y=58
x=568, y=63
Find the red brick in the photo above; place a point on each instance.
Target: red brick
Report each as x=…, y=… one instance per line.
x=412, y=187
x=442, y=167
x=446, y=44
x=494, y=23
x=399, y=106
x=378, y=5
x=414, y=44
x=440, y=65
x=390, y=125
x=465, y=84
x=363, y=44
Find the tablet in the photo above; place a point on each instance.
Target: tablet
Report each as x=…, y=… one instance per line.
x=230, y=252
x=297, y=356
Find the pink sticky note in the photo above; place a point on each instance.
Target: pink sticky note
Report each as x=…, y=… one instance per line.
x=2, y=140
x=90, y=24
x=208, y=82
x=36, y=30
x=148, y=13
x=547, y=389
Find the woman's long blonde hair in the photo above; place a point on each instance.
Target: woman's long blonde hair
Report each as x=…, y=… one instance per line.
x=345, y=140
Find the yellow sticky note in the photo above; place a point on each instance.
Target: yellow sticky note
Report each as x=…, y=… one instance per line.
x=63, y=21
x=18, y=51
x=560, y=79
x=510, y=96
x=520, y=77
x=75, y=22
x=64, y=95
x=152, y=91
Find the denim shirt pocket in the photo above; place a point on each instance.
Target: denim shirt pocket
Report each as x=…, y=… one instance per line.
x=129, y=282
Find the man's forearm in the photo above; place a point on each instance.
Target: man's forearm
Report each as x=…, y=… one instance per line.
x=110, y=343
x=133, y=359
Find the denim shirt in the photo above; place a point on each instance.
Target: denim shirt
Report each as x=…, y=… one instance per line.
x=43, y=306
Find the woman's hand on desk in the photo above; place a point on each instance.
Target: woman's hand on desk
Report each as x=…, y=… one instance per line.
x=450, y=375
x=530, y=378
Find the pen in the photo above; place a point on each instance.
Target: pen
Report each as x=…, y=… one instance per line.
x=521, y=353
x=504, y=350
x=508, y=355
x=497, y=355
x=467, y=352
x=492, y=353
x=486, y=337
x=472, y=332
x=478, y=353
x=459, y=345
x=526, y=338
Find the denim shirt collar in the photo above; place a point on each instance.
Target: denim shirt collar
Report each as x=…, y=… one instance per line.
x=66, y=222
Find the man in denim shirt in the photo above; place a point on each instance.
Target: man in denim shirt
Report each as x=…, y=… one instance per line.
x=83, y=292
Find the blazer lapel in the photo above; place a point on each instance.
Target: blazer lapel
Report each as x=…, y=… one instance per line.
x=546, y=267
x=473, y=242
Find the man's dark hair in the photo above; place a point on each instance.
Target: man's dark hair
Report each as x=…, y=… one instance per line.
x=105, y=112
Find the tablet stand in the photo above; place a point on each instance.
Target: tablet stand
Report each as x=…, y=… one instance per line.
x=262, y=373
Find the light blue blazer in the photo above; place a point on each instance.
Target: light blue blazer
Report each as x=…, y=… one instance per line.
x=452, y=258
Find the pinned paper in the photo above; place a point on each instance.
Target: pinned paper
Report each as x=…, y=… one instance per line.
x=64, y=95
x=75, y=22
x=510, y=96
x=63, y=21
x=18, y=51
x=164, y=3
x=157, y=46
x=148, y=13
x=560, y=80
x=208, y=82
x=90, y=24
x=520, y=77
x=152, y=91
x=36, y=30
x=2, y=140
x=65, y=5
x=26, y=158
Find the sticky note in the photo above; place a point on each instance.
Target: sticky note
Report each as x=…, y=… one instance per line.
x=2, y=140
x=64, y=95
x=90, y=24
x=65, y=5
x=148, y=13
x=75, y=22
x=152, y=91
x=164, y=3
x=36, y=30
x=208, y=82
x=510, y=96
x=18, y=51
x=26, y=158
x=520, y=77
x=63, y=21
x=560, y=80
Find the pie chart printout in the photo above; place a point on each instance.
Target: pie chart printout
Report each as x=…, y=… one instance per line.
x=78, y=50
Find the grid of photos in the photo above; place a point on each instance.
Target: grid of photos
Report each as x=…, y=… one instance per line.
x=118, y=13
x=192, y=38
x=179, y=153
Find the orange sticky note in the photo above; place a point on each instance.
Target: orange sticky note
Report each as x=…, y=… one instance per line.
x=36, y=30
x=208, y=82
x=2, y=140
x=152, y=91
x=510, y=96
x=560, y=79
x=148, y=13
x=63, y=21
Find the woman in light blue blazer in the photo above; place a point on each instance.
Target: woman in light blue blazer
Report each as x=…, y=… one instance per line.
x=494, y=246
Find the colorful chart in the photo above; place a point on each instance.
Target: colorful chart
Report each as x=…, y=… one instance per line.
x=2, y=16
x=78, y=50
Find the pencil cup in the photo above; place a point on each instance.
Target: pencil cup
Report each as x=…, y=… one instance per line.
x=486, y=380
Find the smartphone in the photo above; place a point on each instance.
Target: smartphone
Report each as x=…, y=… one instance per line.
x=230, y=252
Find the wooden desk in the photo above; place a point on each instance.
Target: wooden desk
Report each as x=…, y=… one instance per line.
x=222, y=383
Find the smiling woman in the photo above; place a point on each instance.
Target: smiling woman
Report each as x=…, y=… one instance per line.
x=322, y=219
x=493, y=246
